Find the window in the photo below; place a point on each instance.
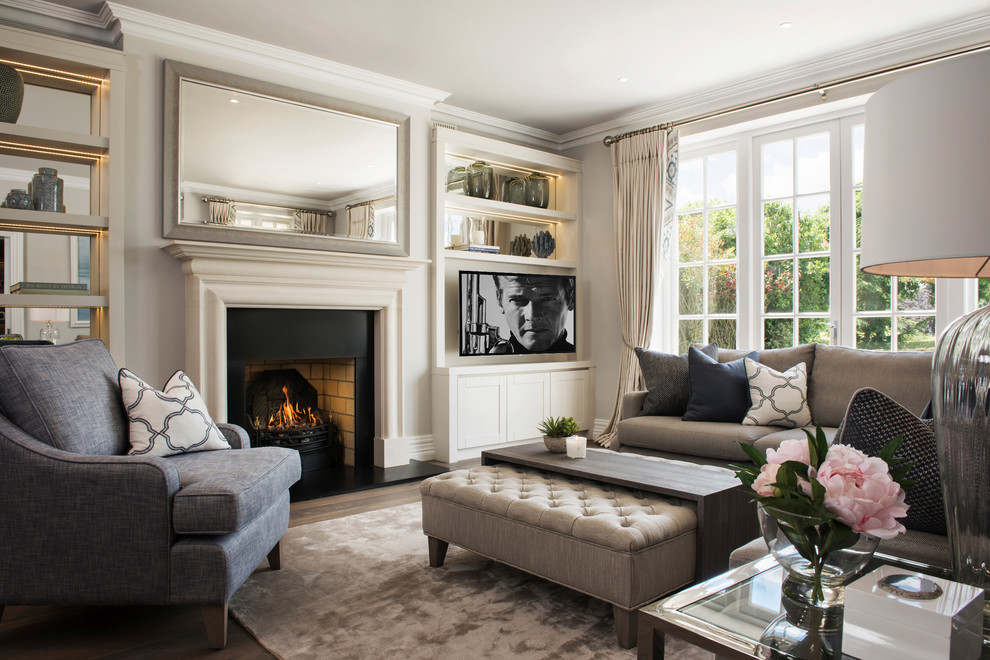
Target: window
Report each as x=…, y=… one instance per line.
x=707, y=259
x=774, y=261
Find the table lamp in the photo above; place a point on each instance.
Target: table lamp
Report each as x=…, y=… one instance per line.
x=926, y=212
x=49, y=316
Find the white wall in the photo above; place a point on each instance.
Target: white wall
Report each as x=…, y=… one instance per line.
x=155, y=318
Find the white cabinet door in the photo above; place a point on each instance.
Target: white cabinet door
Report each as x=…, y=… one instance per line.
x=569, y=396
x=480, y=411
x=528, y=405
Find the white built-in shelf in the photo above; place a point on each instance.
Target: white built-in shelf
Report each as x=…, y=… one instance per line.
x=517, y=212
x=44, y=221
x=13, y=136
x=51, y=300
x=464, y=255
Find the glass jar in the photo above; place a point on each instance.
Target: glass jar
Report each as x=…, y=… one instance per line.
x=456, y=179
x=514, y=190
x=18, y=198
x=481, y=180
x=46, y=190
x=538, y=190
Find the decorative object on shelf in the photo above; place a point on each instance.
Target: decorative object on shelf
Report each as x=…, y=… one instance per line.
x=555, y=432
x=514, y=190
x=521, y=246
x=480, y=180
x=46, y=190
x=543, y=244
x=538, y=190
x=49, y=316
x=823, y=530
x=50, y=288
x=939, y=230
x=18, y=198
x=457, y=180
x=11, y=93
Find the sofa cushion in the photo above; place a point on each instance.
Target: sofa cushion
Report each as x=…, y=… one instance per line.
x=872, y=420
x=780, y=359
x=66, y=396
x=672, y=434
x=778, y=398
x=666, y=379
x=838, y=372
x=172, y=421
x=719, y=391
x=221, y=491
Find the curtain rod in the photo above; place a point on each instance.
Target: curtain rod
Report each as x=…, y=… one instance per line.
x=819, y=88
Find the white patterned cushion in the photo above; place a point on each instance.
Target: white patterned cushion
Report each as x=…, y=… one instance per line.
x=173, y=421
x=779, y=399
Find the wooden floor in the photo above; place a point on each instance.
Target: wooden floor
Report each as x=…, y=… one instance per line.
x=162, y=632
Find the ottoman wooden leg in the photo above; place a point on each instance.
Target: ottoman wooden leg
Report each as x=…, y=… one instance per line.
x=626, y=626
x=438, y=551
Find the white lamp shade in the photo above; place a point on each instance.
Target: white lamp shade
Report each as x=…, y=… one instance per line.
x=53, y=314
x=926, y=178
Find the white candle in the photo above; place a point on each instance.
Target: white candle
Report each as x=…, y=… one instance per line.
x=577, y=446
x=478, y=237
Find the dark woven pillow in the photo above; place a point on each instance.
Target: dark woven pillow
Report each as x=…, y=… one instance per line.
x=666, y=378
x=872, y=420
x=719, y=390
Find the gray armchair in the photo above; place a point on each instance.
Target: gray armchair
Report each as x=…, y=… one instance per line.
x=83, y=523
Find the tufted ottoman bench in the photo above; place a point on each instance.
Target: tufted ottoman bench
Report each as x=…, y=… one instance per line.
x=615, y=544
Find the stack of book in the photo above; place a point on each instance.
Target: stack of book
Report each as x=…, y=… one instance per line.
x=490, y=249
x=50, y=288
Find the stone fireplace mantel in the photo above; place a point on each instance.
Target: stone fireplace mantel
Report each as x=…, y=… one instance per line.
x=221, y=275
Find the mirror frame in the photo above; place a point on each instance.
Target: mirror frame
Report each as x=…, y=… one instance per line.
x=175, y=72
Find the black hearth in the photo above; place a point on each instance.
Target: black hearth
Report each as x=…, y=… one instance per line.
x=280, y=336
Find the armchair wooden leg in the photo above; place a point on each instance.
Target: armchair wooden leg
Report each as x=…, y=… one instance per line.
x=438, y=551
x=275, y=557
x=215, y=617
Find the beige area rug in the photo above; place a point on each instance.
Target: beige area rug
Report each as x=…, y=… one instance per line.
x=361, y=587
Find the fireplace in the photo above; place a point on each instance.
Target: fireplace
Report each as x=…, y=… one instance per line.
x=321, y=358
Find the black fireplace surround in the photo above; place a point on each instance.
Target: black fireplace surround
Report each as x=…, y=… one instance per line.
x=304, y=334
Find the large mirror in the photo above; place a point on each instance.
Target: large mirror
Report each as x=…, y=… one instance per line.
x=257, y=163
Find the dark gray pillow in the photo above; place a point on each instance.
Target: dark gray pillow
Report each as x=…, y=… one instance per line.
x=872, y=420
x=666, y=378
x=719, y=390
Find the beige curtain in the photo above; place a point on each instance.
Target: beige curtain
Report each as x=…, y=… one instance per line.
x=310, y=222
x=221, y=212
x=361, y=221
x=644, y=197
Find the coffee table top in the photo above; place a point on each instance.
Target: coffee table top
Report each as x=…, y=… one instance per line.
x=729, y=613
x=656, y=475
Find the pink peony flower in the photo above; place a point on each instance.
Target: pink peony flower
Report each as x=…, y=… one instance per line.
x=860, y=491
x=789, y=450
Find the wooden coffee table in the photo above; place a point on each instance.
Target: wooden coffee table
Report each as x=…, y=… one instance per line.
x=726, y=517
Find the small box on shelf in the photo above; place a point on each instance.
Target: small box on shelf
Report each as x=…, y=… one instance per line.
x=50, y=288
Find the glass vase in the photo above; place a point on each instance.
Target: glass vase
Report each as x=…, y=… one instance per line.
x=802, y=583
x=480, y=181
x=46, y=190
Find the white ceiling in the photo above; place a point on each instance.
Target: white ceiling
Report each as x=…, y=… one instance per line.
x=555, y=64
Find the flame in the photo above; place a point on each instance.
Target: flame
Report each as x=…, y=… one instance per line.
x=289, y=416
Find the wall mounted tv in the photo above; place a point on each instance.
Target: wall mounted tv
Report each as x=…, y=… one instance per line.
x=516, y=313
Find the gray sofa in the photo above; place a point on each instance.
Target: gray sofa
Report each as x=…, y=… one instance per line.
x=834, y=375
x=84, y=523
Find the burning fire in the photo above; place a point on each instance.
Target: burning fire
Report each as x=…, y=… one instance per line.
x=292, y=417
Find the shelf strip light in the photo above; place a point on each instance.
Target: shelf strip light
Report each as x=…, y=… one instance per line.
x=58, y=74
x=505, y=166
x=51, y=229
x=51, y=151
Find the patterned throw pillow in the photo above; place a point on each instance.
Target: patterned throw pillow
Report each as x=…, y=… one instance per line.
x=719, y=390
x=872, y=420
x=779, y=399
x=666, y=378
x=173, y=421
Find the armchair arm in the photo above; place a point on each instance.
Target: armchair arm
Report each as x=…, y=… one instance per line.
x=235, y=435
x=632, y=404
x=82, y=529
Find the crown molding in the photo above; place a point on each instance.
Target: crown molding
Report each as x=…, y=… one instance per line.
x=101, y=29
x=501, y=128
x=967, y=32
x=188, y=35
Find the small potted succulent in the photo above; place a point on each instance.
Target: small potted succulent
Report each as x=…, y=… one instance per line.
x=555, y=432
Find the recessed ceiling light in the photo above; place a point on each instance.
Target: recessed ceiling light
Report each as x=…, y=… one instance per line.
x=234, y=101
x=786, y=25
x=623, y=79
